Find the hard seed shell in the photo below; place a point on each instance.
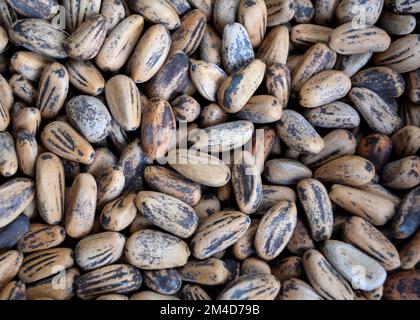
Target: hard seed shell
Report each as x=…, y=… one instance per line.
x=406, y=220
x=404, y=279
x=52, y=90
x=26, y=119
x=47, y=289
x=23, y=88
x=275, y=46
x=171, y=78
x=151, y=250
x=15, y=195
x=42, y=264
x=157, y=128
x=352, y=63
x=159, y=11
x=285, y=171
x=413, y=85
x=349, y=170
x=60, y=138
x=119, y=213
x=255, y=266
x=304, y=35
x=120, y=43
x=4, y=117
x=346, y=258
x=123, y=101
x=86, y=41
x=8, y=156
x=50, y=188
x=317, y=205
x=114, y=11
x=14, y=290
x=376, y=148
x=351, y=38
x=348, y=10
x=116, y=278
x=357, y=231
x=279, y=11
x=224, y=12
x=402, y=55
x=39, y=36
x=180, y=6
x=15, y=230
x=251, y=287
x=298, y=134
x=326, y=280
x=208, y=272
x=295, y=289
x=98, y=250
x=164, y=281
x=223, y=137
x=337, y=143
x=185, y=108
x=26, y=151
x=211, y=46
x=80, y=211
x=275, y=230
x=207, y=78
x=272, y=194
x=237, y=50
x=333, y=115
x=374, y=208
x=172, y=183
x=6, y=92
x=402, y=174
x=324, y=87
x=188, y=36
x=287, y=268
x=29, y=64
x=253, y=16
x=90, y=116
x=410, y=253
x=382, y=80
x=41, y=9
x=85, y=76
x=261, y=109
x=406, y=141
x=247, y=187
x=41, y=237
x=277, y=81
x=150, y=53
x=167, y=212
x=244, y=247
x=10, y=263
x=110, y=185
x=199, y=167
x=78, y=11
x=218, y=232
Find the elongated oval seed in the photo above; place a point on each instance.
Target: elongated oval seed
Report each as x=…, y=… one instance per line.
x=152, y=250
x=116, y=278
x=236, y=90
x=349, y=170
x=295, y=289
x=60, y=138
x=86, y=77
x=406, y=220
x=251, y=287
x=15, y=195
x=253, y=16
x=275, y=47
x=374, y=208
x=261, y=109
x=8, y=156
x=29, y=64
x=298, y=134
x=50, y=188
x=159, y=11
x=324, y=87
x=124, y=102
x=359, y=232
x=99, y=250
x=333, y=115
x=199, y=167
x=317, y=205
x=41, y=9
x=326, y=281
x=211, y=271
x=120, y=43
x=207, y=78
x=41, y=237
x=10, y=263
x=275, y=230
x=86, y=41
x=80, y=211
x=167, y=212
x=40, y=36
x=218, y=232
x=285, y=171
